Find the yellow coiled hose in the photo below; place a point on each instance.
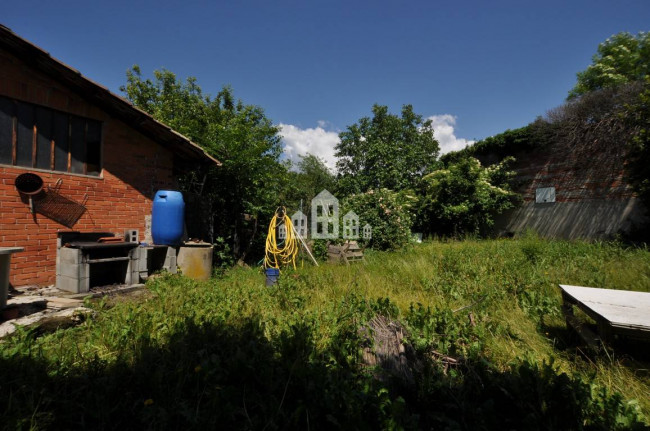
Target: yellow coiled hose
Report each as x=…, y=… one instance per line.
x=286, y=252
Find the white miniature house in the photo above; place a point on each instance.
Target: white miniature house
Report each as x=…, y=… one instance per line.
x=351, y=225
x=299, y=220
x=367, y=232
x=324, y=216
x=282, y=231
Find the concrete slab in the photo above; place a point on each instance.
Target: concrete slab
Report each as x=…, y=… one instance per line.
x=37, y=319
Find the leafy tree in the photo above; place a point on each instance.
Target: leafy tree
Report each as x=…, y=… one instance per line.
x=620, y=59
x=182, y=106
x=464, y=197
x=311, y=177
x=385, y=151
x=622, y=64
x=251, y=179
x=638, y=118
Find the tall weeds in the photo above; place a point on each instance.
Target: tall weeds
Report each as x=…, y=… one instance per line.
x=233, y=354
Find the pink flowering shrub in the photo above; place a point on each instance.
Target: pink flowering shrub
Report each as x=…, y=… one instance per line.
x=387, y=212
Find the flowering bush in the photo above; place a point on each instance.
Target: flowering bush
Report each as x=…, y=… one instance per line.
x=464, y=197
x=387, y=212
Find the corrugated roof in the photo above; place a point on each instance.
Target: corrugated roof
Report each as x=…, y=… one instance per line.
x=99, y=95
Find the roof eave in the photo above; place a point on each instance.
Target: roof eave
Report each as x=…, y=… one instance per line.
x=101, y=96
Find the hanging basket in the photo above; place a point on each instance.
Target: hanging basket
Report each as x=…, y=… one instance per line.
x=29, y=184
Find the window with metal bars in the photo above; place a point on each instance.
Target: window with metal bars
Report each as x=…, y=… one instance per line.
x=34, y=136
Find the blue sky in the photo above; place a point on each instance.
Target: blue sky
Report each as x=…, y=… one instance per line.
x=477, y=67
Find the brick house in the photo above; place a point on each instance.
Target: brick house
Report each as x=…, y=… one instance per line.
x=93, y=146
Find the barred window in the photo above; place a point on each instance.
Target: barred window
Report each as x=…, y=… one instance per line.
x=34, y=136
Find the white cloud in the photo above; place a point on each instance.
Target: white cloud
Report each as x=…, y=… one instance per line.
x=321, y=142
x=443, y=131
x=316, y=141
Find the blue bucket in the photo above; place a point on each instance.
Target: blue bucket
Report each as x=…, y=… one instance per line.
x=272, y=275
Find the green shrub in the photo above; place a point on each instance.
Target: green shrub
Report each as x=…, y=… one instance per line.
x=388, y=214
x=223, y=257
x=464, y=198
x=319, y=249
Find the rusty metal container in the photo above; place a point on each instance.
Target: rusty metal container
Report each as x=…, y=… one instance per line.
x=195, y=260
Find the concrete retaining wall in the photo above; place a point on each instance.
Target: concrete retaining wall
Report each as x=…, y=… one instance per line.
x=594, y=219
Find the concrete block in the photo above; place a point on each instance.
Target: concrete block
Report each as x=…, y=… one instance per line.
x=141, y=256
x=77, y=271
x=171, y=263
x=70, y=284
x=148, y=260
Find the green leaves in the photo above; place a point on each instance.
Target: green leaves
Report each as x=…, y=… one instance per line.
x=388, y=214
x=251, y=179
x=385, y=151
x=620, y=59
x=312, y=177
x=181, y=106
x=637, y=117
x=464, y=197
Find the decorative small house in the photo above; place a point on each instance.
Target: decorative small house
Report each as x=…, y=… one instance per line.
x=351, y=225
x=282, y=232
x=324, y=216
x=367, y=232
x=299, y=220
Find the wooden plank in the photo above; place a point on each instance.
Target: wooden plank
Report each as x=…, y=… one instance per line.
x=569, y=302
x=63, y=301
x=620, y=308
x=34, y=141
x=588, y=336
x=56, y=302
x=10, y=250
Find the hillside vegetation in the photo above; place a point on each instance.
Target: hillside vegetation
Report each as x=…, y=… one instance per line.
x=234, y=354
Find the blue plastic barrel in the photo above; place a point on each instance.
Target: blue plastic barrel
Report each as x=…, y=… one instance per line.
x=272, y=275
x=167, y=217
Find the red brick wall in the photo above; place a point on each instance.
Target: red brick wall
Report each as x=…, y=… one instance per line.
x=592, y=196
x=591, y=172
x=134, y=168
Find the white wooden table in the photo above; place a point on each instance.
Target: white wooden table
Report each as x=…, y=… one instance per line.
x=5, y=258
x=616, y=312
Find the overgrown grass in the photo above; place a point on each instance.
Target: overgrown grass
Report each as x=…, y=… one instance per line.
x=234, y=354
